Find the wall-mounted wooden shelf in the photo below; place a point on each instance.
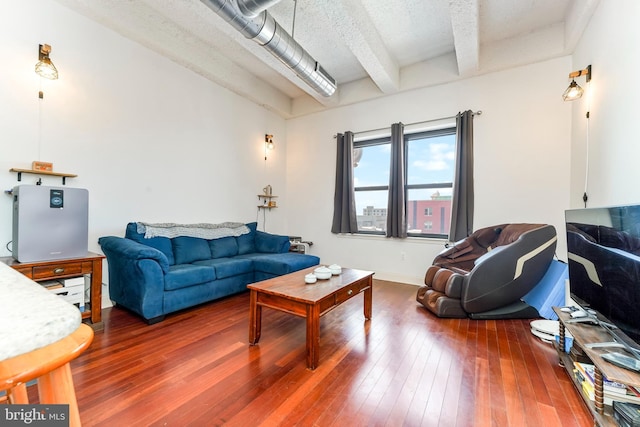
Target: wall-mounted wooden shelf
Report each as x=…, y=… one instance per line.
x=35, y=172
x=267, y=200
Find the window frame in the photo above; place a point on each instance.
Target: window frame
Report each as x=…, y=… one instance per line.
x=408, y=137
x=370, y=143
x=434, y=133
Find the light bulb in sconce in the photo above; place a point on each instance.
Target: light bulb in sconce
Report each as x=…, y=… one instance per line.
x=268, y=141
x=574, y=91
x=268, y=144
x=44, y=67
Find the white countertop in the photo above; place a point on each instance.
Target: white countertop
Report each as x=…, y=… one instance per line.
x=30, y=316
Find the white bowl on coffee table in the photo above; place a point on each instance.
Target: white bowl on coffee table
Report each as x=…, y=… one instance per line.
x=322, y=273
x=335, y=269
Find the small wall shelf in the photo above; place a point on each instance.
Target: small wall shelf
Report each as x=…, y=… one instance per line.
x=35, y=172
x=266, y=201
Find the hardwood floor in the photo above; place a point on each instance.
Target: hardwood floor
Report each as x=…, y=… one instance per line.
x=404, y=367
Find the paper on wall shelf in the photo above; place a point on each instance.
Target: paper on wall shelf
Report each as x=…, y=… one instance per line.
x=42, y=166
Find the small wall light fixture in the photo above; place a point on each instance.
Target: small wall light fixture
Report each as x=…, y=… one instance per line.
x=268, y=144
x=268, y=141
x=45, y=67
x=574, y=91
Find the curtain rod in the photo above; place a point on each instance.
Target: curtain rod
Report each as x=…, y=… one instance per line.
x=475, y=113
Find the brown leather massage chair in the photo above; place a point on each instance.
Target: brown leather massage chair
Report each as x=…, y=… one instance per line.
x=485, y=275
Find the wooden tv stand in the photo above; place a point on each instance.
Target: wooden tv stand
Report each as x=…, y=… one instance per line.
x=65, y=269
x=583, y=335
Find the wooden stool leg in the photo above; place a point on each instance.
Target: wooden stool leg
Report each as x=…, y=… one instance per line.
x=18, y=395
x=57, y=387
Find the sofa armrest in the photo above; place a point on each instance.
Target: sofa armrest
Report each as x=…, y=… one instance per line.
x=136, y=275
x=119, y=247
x=271, y=243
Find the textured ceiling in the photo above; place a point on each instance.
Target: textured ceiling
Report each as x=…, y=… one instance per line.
x=370, y=47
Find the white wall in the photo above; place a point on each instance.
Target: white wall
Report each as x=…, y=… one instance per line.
x=610, y=45
x=150, y=140
x=154, y=141
x=522, y=150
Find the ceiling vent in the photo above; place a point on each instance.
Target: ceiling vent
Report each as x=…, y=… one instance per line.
x=261, y=27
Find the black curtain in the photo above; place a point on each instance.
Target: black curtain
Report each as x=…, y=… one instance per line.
x=344, y=201
x=396, y=207
x=462, y=204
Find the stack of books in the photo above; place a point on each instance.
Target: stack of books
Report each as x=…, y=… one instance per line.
x=626, y=414
x=51, y=284
x=613, y=391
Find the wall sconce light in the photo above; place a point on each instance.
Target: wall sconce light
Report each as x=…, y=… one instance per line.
x=268, y=144
x=44, y=67
x=268, y=141
x=574, y=91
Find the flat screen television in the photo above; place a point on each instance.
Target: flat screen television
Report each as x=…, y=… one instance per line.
x=603, y=246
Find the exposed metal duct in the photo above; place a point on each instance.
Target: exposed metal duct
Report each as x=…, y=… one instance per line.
x=252, y=8
x=264, y=30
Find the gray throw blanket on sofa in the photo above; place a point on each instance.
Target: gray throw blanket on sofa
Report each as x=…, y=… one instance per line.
x=203, y=230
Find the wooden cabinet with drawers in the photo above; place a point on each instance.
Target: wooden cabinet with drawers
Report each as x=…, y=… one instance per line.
x=66, y=269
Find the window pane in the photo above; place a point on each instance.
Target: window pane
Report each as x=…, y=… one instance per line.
x=371, y=210
x=431, y=159
x=437, y=202
x=371, y=166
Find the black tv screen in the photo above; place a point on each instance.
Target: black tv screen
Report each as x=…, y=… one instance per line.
x=603, y=246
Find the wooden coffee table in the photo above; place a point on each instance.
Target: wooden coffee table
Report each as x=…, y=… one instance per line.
x=289, y=293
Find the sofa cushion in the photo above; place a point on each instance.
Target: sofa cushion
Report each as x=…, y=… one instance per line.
x=271, y=243
x=246, y=242
x=228, y=267
x=279, y=264
x=223, y=247
x=189, y=249
x=163, y=244
x=185, y=275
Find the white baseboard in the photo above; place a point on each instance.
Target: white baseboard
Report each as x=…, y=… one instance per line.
x=409, y=280
x=106, y=301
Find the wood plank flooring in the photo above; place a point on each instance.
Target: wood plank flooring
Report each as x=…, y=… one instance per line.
x=404, y=367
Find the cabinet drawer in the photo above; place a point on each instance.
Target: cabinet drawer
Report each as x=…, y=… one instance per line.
x=48, y=271
x=350, y=291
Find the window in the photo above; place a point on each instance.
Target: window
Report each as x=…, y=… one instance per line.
x=429, y=170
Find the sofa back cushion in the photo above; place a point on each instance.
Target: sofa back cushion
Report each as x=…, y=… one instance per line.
x=189, y=249
x=271, y=243
x=223, y=247
x=246, y=242
x=163, y=244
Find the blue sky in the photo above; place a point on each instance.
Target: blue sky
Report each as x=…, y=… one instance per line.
x=430, y=160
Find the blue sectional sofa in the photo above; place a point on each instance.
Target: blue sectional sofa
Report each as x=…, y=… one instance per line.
x=160, y=275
